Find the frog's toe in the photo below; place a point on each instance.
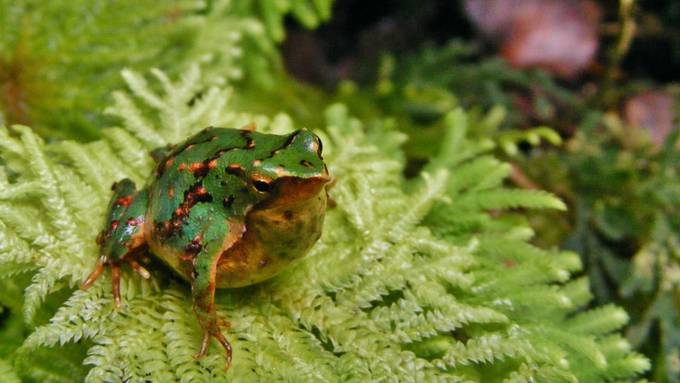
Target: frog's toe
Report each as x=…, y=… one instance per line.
x=217, y=334
x=115, y=284
x=205, y=343
x=226, y=345
x=94, y=275
x=102, y=262
x=141, y=270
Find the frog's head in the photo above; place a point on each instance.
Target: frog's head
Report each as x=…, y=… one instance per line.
x=295, y=172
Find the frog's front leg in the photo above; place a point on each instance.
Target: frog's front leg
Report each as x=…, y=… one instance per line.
x=213, y=243
x=122, y=239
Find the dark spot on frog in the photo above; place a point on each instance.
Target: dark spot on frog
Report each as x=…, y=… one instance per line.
x=220, y=153
x=236, y=170
x=306, y=164
x=288, y=215
x=196, y=194
x=264, y=262
x=133, y=222
x=227, y=202
x=291, y=139
x=246, y=134
x=101, y=237
x=114, y=224
x=194, y=247
x=199, y=169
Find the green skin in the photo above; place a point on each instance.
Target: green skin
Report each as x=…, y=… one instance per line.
x=226, y=208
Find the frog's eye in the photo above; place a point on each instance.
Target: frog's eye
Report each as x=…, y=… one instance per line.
x=261, y=184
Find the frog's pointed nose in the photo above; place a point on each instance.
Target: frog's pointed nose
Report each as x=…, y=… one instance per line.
x=313, y=185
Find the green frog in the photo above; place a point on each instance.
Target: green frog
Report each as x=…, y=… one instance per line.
x=226, y=208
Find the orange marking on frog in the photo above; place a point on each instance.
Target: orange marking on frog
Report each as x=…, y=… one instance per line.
x=196, y=167
x=124, y=201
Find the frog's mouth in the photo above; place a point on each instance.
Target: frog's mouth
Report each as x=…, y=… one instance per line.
x=293, y=190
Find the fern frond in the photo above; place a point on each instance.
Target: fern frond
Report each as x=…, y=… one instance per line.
x=7, y=372
x=309, y=13
x=509, y=141
x=502, y=199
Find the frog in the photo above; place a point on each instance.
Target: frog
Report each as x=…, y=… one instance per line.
x=227, y=208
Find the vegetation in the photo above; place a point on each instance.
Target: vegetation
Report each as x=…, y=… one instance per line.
x=491, y=224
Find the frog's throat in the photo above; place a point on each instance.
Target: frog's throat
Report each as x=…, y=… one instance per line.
x=276, y=236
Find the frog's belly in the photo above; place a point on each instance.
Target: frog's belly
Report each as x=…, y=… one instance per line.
x=246, y=263
x=273, y=239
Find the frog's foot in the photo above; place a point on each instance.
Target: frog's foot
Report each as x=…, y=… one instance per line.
x=213, y=329
x=102, y=262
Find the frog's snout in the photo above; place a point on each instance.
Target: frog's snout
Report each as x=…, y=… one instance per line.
x=308, y=187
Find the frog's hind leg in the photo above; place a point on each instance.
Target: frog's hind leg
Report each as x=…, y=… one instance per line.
x=204, y=282
x=122, y=239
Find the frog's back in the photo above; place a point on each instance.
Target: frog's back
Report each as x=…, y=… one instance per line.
x=205, y=178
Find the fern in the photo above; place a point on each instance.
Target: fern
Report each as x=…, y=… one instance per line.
x=310, y=13
x=7, y=372
x=51, y=51
x=411, y=281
